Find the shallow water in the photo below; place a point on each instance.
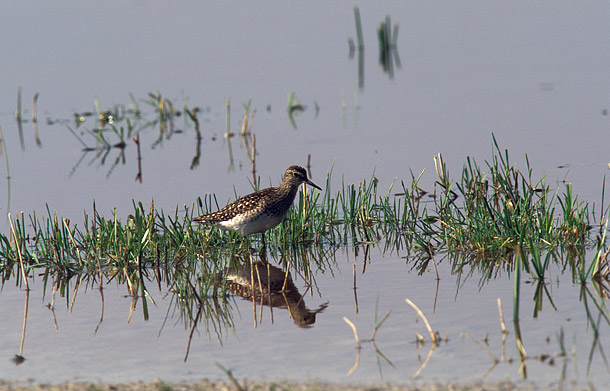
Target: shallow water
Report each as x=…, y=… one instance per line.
x=533, y=74
x=268, y=345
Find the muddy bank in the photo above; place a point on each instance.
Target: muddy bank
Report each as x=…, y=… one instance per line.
x=207, y=385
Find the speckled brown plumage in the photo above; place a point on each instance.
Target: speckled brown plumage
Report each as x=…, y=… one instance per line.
x=262, y=210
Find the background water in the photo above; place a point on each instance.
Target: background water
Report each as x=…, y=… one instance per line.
x=535, y=75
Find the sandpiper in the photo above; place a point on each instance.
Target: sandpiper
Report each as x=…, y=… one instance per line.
x=262, y=210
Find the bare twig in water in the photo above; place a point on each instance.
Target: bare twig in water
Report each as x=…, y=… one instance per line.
x=433, y=336
x=358, y=347
x=250, y=121
x=502, y=324
x=483, y=347
x=503, y=327
x=355, y=288
x=25, y=321
x=423, y=364
x=136, y=140
x=353, y=326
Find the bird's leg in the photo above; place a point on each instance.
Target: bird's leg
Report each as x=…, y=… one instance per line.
x=263, y=252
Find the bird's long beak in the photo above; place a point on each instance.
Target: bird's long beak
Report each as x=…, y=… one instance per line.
x=310, y=183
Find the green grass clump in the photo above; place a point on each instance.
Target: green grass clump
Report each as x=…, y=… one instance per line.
x=503, y=209
x=482, y=219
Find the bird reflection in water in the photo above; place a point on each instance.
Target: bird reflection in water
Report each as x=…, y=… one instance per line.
x=271, y=286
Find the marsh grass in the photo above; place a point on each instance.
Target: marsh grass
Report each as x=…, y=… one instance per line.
x=489, y=215
x=492, y=220
x=489, y=222
x=388, y=52
x=358, y=28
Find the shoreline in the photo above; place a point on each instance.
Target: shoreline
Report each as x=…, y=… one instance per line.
x=281, y=385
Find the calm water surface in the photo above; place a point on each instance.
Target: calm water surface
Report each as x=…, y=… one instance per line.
x=270, y=346
x=536, y=75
